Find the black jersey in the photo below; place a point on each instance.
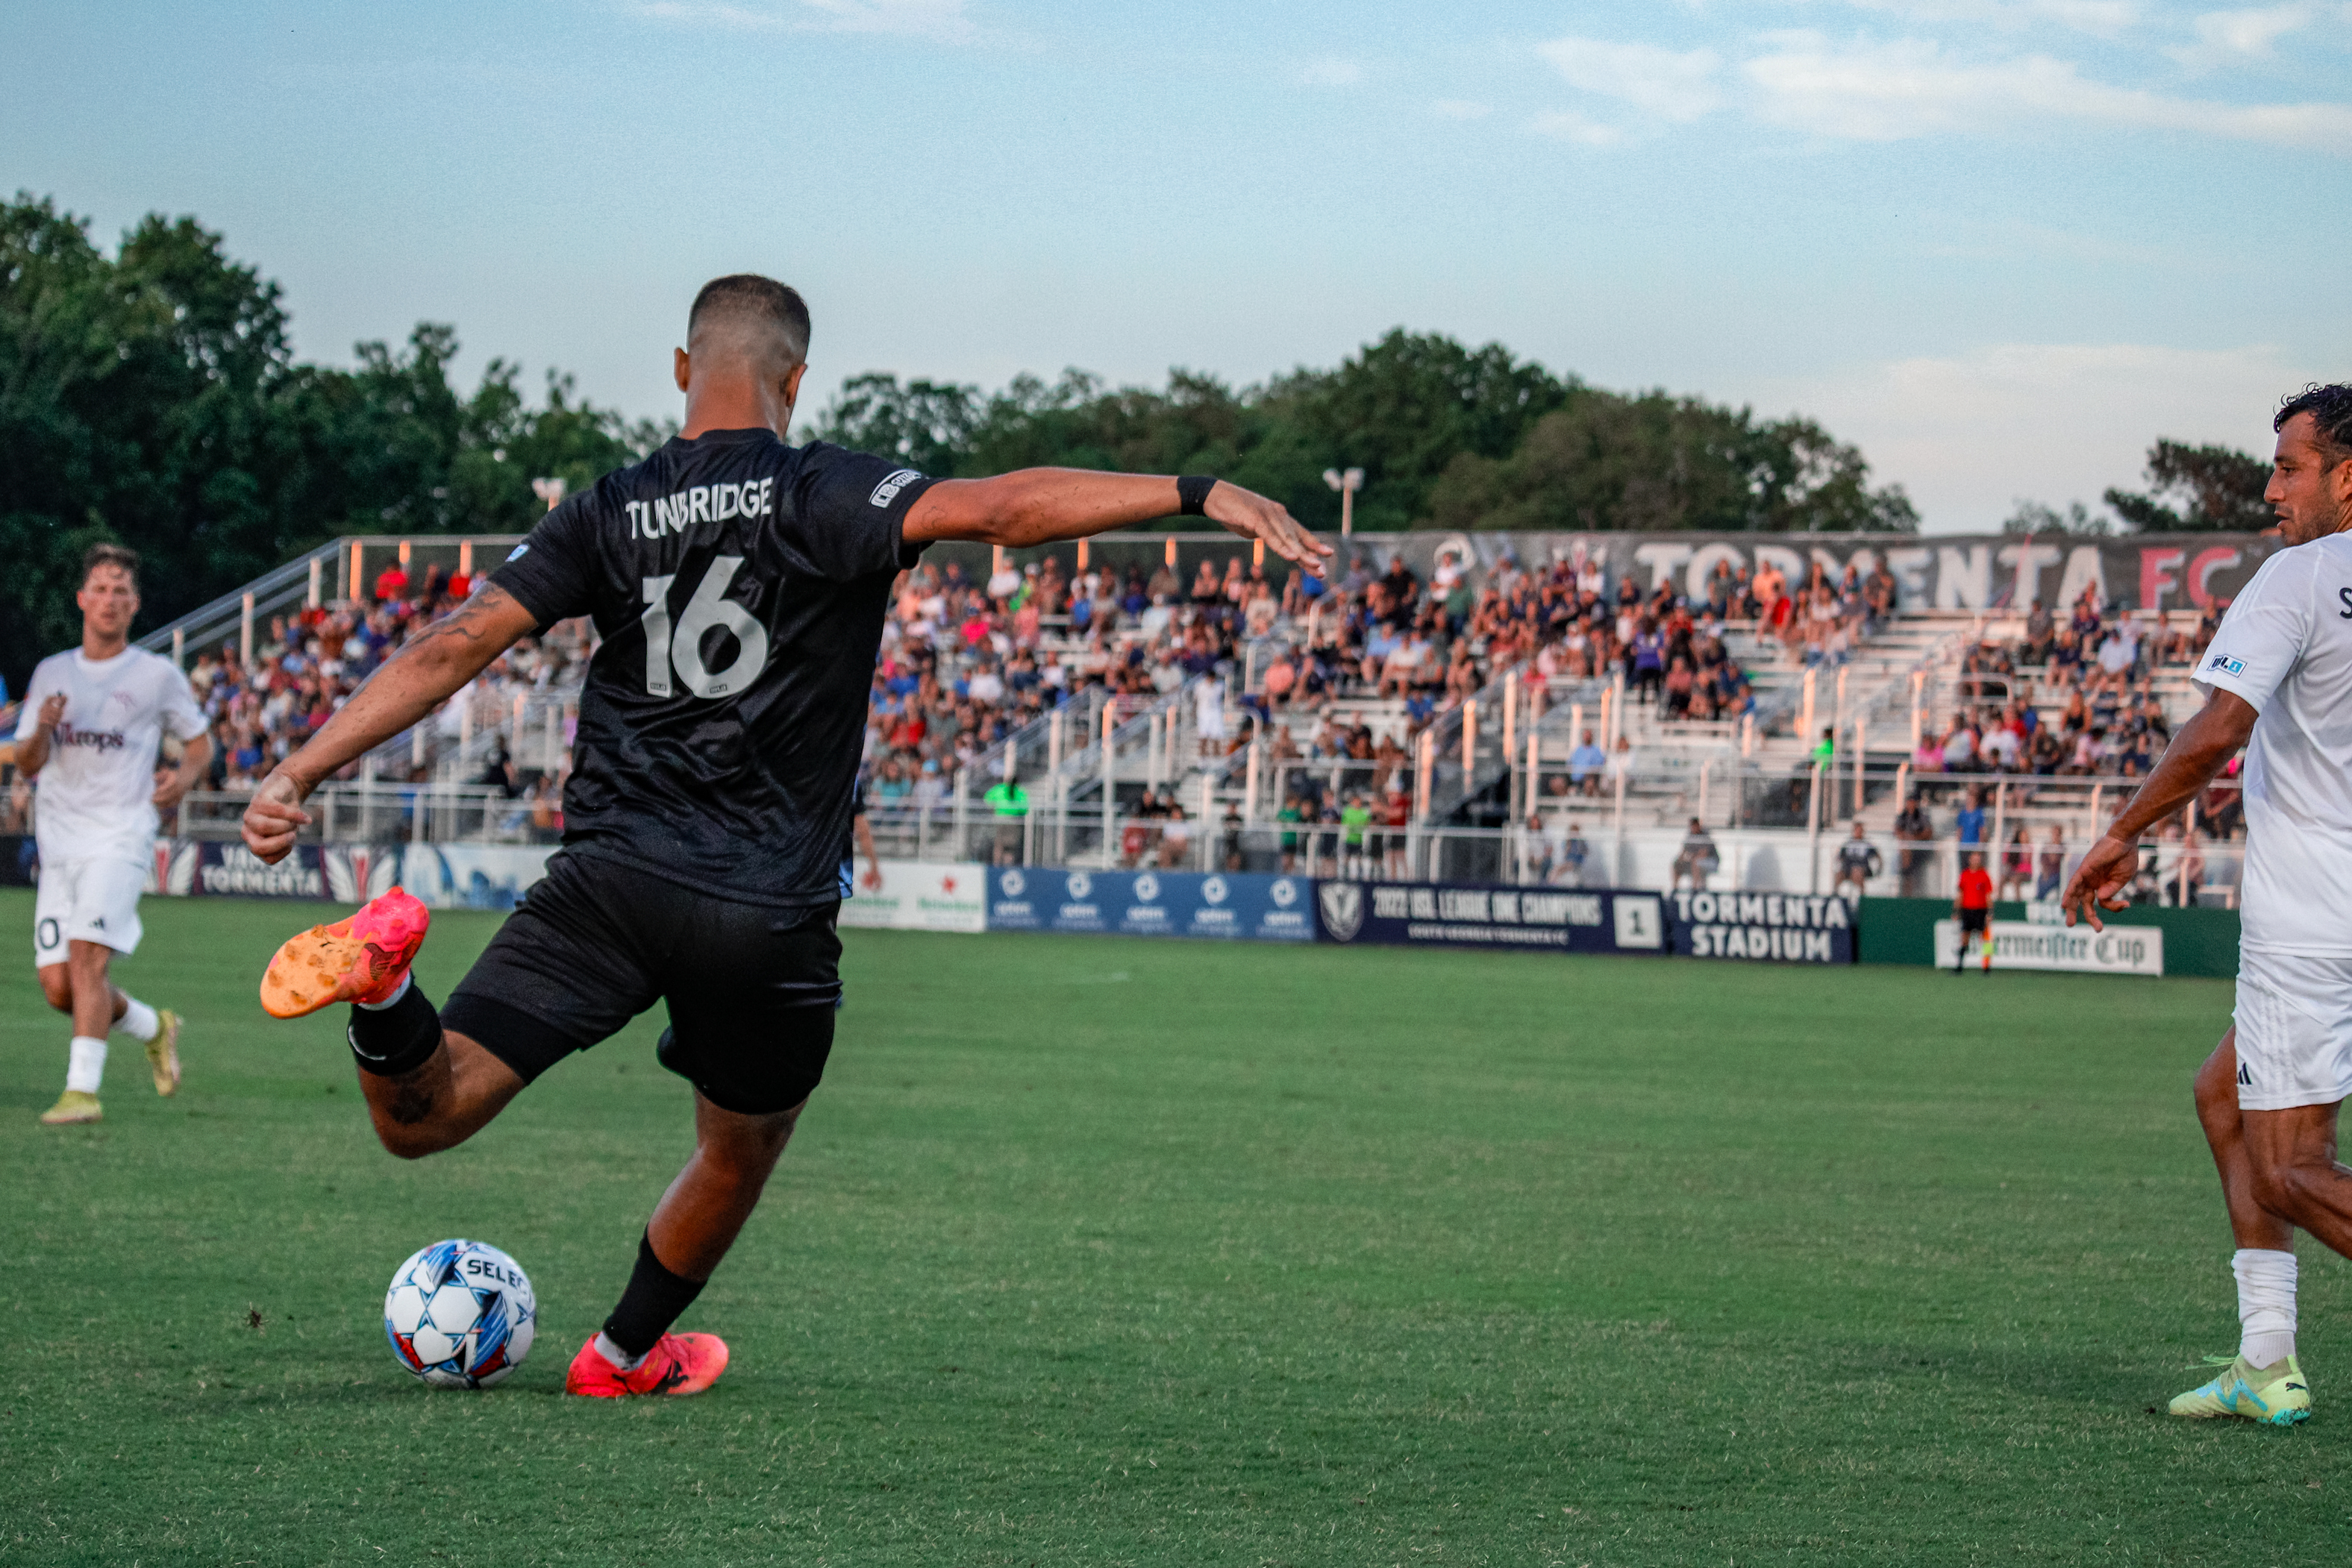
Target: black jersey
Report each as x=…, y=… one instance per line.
x=738, y=586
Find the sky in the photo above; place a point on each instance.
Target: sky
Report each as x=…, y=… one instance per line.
x=2001, y=245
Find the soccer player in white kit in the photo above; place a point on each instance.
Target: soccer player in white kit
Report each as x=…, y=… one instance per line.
x=2278, y=675
x=91, y=729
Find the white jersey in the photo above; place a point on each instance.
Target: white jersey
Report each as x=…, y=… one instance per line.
x=2286, y=646
x=97, y=789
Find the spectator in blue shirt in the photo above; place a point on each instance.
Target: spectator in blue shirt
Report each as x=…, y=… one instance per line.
x=1585, y=764
x=1971, y=820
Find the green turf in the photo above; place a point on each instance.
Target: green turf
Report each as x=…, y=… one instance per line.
x=1108, y=1252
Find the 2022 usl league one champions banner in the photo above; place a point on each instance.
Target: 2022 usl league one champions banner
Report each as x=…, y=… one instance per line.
x=1474, y=914
x=1232, y=905
x=1770, y=927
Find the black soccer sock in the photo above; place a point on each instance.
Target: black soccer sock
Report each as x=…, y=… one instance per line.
x=401, y=1038
x=651, y=1302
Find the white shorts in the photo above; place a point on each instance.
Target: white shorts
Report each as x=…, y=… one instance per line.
x=85, y=901
x=2295, y=1030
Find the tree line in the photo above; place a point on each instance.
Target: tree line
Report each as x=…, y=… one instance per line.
x=152, y=397
x=1448, y=436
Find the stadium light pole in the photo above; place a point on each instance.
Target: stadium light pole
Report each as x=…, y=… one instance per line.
x=1347, y=483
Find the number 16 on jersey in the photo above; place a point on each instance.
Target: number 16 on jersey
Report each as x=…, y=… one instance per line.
x=681, y=652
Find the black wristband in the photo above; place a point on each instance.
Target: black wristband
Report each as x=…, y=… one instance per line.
x=1192, y=494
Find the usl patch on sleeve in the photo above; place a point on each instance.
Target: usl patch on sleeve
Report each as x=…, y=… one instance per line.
x=888, y=491
x=2226, y=664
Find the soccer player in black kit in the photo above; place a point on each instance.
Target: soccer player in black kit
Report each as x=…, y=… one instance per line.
x=738, y=586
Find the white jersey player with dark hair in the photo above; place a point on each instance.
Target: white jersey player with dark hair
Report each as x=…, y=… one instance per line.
x=2278, y=682
x=91, y=731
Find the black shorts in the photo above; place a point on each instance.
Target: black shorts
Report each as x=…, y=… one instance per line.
x=752, y=990
x=1973, y=920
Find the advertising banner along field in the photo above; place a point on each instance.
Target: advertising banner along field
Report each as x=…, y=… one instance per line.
x=1782, y=927
x=1232, y=905
x=2036, y=945
x=1450, y=914
x=918, y=896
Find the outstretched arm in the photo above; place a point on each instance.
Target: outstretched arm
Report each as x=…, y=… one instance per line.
x=1039, y=506
x=2204, y=745
x=414, y=681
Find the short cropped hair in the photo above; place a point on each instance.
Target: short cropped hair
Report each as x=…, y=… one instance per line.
x=747, y=299
x=110, y=555
x=2330, y=408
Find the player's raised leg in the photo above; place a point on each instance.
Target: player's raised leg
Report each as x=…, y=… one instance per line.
x=427, y=1089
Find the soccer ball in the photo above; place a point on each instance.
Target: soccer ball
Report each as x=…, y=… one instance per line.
x=460, y=1314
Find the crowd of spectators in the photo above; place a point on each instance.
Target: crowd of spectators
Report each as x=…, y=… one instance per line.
x=965, y=664
x=2097, y=671
x=1433, y=645
x=307, y=664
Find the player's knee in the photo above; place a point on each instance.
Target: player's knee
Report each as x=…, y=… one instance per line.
x=2281, y=1189
x=57, y=988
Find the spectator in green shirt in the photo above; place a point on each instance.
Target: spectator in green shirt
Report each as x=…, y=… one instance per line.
x=1353, y=816
x=1290, y=813
x=1011, y=804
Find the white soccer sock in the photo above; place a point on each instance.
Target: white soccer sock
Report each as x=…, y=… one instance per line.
x=405, y=982
x=86, y=1068
x=621, y=1359
x=2265, y=1304
x=139, y=1021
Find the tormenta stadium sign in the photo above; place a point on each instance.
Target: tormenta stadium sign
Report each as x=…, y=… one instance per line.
x=1945, y=571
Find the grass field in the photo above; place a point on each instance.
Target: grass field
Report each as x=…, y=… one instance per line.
x=1095, y=1250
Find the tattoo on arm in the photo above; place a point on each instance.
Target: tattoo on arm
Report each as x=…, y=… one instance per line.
x=467, y=623
x=412, y=1100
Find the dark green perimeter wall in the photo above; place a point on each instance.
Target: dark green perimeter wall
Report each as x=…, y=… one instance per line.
x=2196, y=941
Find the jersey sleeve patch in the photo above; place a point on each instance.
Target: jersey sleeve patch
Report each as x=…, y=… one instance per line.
x=2265, y=632
x=552, y=573
x=850, y=512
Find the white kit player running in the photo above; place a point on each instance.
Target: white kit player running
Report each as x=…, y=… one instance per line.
x=2278, y=675
x=93, y=723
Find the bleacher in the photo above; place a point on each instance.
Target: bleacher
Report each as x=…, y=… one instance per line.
x=1477, y=774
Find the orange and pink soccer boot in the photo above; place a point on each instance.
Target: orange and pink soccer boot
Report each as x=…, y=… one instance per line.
x=360, y=960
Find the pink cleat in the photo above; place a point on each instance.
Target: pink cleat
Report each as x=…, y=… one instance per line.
x=360, y=960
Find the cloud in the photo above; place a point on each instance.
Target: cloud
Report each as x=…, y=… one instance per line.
x=1968, y=434
x=941, y=21
x=2230, y=37
x=2104, y=18
x=1460, y=108
x=1886, y=92
x=1331, y=71
x=1565, y=125
x=1671, y=86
